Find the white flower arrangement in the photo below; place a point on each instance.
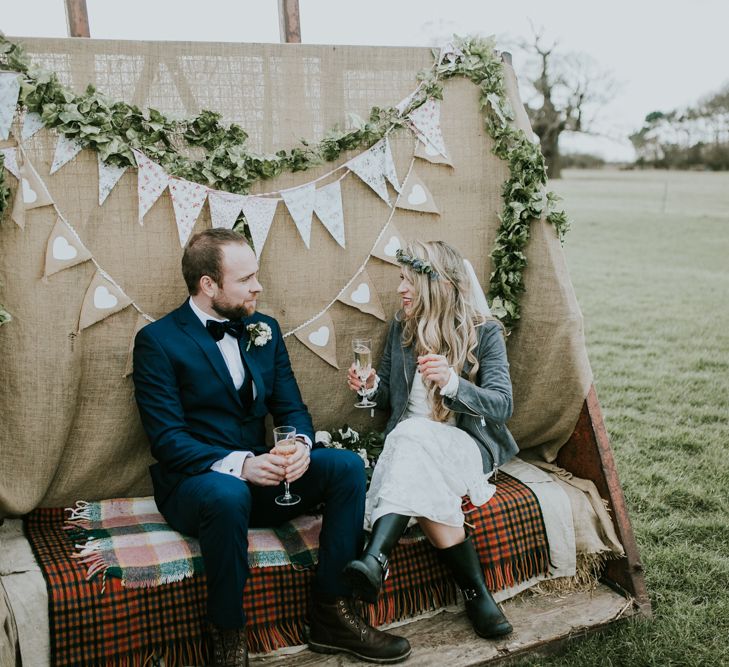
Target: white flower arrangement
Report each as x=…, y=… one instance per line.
x=259, y=333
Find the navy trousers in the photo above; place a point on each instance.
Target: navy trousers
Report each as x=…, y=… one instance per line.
x=219, y=509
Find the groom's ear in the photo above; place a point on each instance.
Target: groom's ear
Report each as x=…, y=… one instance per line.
x=208, y=286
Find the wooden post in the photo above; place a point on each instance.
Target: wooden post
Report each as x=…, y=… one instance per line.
x=288, y=21
x=77, y=18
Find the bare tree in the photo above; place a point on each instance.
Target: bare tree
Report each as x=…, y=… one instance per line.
x=567, y=91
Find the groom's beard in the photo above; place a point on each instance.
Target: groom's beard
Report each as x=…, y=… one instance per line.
x=231, y=312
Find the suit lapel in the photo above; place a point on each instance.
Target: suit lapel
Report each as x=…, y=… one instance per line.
x=193, y=327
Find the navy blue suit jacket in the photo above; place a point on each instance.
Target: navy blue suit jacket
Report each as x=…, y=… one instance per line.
x=190, y=408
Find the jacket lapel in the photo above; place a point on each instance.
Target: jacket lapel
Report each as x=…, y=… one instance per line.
x=193, y=327
x=409, y=365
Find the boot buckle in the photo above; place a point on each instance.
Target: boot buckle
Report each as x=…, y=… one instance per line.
x=384, y=564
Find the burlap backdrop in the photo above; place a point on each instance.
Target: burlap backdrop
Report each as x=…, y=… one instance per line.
x=69, y=427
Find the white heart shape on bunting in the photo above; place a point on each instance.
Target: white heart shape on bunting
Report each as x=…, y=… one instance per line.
x=393, y=245
x=104, y=299
x=361, y=294
x=29, y=194
x=320, y=337
x=417, y=195
x=62, y=249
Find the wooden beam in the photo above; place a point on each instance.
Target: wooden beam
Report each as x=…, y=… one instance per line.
x=77, y=18
x=288, y=21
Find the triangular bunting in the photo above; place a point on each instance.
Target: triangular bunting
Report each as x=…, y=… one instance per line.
x=320, y=338
x=66, y=150
x=361, y=294
x=9, y=90
x=259, y=212
x=109, y=175
x=32, y=123
x=101, y=300
x=32, y=192
x=151, y=182
x=403, y=104
x=390, y=242
x=426, y=123
x=10, y=161
x=64, y=249
x=370, y=166
x=450, y=52
x=415, y=196
x=426, y=151
x=187, y=200
x=328, y=208
x=300, y=202
x=388, y=166
x=141, y=322
x=224, y=208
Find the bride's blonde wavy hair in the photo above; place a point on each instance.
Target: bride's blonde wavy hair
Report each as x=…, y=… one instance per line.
x=442, y=318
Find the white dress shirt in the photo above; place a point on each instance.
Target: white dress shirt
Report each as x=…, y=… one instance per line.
x=230, y=349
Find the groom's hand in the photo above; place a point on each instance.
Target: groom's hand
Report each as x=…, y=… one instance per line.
x=298, y=463
x=264, y=469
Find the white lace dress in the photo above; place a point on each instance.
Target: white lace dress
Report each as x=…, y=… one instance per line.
x=426, y=467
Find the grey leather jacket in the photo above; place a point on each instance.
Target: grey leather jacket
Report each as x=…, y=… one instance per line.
x=482, y=408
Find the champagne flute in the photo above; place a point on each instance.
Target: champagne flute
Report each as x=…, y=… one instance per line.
x=284, y=444
x=362, y=348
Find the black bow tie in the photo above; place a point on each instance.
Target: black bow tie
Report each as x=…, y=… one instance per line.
x=219, y=329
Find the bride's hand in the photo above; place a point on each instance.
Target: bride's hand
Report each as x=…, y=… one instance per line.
x=434, y=368
x=355, y=384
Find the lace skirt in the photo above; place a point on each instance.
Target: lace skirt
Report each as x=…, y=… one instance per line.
x=424, y=470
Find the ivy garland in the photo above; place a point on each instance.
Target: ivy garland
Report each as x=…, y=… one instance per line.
x=114, y=128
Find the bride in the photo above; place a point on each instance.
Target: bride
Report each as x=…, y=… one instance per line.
x=445, y=378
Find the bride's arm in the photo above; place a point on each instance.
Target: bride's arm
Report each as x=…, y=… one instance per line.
x=491, y=397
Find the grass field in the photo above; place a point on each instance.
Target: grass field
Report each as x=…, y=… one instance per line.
x=649, y=258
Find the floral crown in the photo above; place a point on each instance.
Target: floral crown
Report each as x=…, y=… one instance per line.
x=416, y=264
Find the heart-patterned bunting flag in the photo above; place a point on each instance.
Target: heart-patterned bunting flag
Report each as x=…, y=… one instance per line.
x=141, y=322
x=370, y=167
x=426, y=123
x=259, y=212
x=32, y=123
x=361, y=294
x=319, y=337
x=300, y=202
x=10, y=161
x=9, y=90
x=101, y=300
x=151, y=182
x=64, y=249
x=187, y=201
x=66, y=150
x=425, y=151
x=390, y=242
x=388, y=166
x=224, y=208
x=328, y=208
x=109, y=176
x=32, y=192
x=415, y=196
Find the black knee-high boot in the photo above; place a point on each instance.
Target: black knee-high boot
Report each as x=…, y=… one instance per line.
x=366, y=574
x=487, y=619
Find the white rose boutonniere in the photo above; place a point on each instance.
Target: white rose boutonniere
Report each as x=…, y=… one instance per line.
x=259, y=333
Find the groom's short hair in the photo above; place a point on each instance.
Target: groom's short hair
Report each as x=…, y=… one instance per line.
x=203, y=256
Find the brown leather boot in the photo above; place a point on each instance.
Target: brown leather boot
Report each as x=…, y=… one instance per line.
x=229, y=647
x=336, y=627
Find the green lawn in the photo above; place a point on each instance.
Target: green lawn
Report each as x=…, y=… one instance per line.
x=649, y=258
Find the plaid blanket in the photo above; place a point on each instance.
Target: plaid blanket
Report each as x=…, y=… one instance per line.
x=129, y=624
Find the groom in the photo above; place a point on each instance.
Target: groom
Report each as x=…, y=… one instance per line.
x=205, y=377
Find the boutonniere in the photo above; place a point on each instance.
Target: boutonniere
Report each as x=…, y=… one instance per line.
x=259, y=333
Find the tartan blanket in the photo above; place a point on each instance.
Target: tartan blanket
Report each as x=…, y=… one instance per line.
x=132, y=623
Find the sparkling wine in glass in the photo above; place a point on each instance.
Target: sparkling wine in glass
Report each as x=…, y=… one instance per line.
x=362, y=348
x=284, y=444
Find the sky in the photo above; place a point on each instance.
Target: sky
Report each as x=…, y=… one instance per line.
x=660, y=58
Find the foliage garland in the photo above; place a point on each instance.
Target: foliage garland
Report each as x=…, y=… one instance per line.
x=114, y=128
